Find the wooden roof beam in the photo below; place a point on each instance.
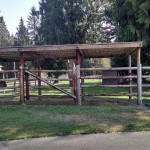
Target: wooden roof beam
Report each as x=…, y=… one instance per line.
x=81, y=52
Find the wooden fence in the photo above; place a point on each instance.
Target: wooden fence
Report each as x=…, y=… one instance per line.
x=78, y=85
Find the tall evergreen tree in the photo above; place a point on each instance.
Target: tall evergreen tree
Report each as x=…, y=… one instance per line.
x=132, y=20
x=4, y=33
x=70, y=22
x=74, y=21
x=5, y=40
x=21, y=37
x=33, y=25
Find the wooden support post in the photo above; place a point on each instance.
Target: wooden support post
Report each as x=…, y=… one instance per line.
x=71, y=64
x=39, y=85
x=139, y=77
x=15, y=76
x=82, y=82
x=74, y=83
x=78, y=85
x=21, y=78
x=130, y=73
x=4, y=78
x=78, y=62
x=82, y=89
x=27, y=86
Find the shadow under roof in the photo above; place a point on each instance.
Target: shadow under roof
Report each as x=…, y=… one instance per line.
x=68, y=51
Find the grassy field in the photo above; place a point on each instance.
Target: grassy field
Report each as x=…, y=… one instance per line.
x=19, y=122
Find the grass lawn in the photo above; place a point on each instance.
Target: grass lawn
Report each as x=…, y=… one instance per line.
x=19, y=122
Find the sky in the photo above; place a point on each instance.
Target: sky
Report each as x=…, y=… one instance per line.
x=13, y=10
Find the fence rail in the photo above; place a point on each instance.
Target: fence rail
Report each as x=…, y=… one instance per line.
x=79, y=77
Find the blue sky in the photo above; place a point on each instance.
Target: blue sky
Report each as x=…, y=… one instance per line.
x=13, y=10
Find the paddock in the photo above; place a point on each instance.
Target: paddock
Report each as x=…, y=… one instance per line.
x=23, y=77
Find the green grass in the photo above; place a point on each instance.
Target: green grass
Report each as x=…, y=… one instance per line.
x=87, y=91
x=19, y=122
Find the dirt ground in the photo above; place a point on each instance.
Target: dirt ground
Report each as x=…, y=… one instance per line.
x=65, y=101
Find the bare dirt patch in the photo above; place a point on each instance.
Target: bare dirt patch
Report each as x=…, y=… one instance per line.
x=66, y=101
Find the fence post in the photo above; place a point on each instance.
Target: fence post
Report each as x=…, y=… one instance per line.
x=139, y=84
x=139, y=77
x=15, y=76
x=21, y=78
x=130, y=72
x=39, y=84
x=78, y=85
x=75, y=83
x=27, y=86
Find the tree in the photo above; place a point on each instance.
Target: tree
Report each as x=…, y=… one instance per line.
x=4, y=33
x=21, y=37
x=5, y=40
x=70, y=22
x=33, y=25
x=132, y=23
x=74, y=21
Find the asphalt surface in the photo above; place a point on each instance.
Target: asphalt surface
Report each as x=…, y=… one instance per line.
x=114, y=141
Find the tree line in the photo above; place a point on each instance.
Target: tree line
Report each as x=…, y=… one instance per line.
x=83, y=21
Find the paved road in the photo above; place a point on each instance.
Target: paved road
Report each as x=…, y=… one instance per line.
x=114, y=141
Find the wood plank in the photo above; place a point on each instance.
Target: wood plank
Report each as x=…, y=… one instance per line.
x=145, y=76
x=130, y=73
x=11, y=87
x=69, y=51
x=54, y=79
x=78, y=85
x=75, y=83
x=145, y=68
x=47, y=87
x=101, y=69
x=146, y=85
x=9, y=71
x=27, y=86
x=51, y=96
x=49, y=71
x=138, y=55
x=139, y=84
x=55, y=87
x=10, y=79
x=39, y=84
x=21, y=78
x=73, y=46
x=106, y=94
x=108, y=77
x=109, y=86
x=145, y=94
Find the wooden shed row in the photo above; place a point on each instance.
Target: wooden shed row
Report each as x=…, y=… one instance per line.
x=72, y=51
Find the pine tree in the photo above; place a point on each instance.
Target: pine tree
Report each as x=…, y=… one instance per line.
x=70, y=22
x=5, y=40
x=132, y=23
x=74, y=21
x=33, y=25
x=21, y=37
x=4, y=33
